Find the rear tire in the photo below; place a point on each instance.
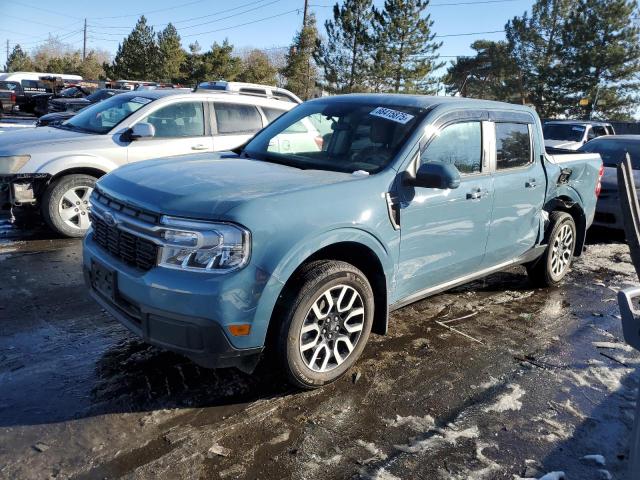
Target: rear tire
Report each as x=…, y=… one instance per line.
x=553, y=265
x=65, y=204
x=326, y=321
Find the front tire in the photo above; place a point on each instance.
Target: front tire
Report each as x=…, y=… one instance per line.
x=326, y=323
x=65, y=204
x=553, y=265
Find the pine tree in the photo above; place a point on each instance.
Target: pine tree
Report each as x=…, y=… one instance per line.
x=300, y=70
x=602, y=58
x=406, y=53
x=171, y=55
x=18, y=61
x=137, y=55
x=537, y=46
x=219, y=63
x=491, y=74
x=192, y=69
x=346, y=53
x=257, y=68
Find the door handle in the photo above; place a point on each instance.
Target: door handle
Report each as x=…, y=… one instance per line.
x=200, y=146
x=531, y=183
x=475, y=194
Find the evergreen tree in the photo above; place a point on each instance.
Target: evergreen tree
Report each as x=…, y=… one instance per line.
x=602, y=58
x=192, y=69
x=491, y=74
x=406, y=53
x=220, y=63
x=18, y=61
x=137, y=56
x=345, y=56
x=300, y=70
x=537, y=46
x=257, y=68
x=171, y=55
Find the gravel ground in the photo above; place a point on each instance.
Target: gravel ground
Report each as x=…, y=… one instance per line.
x=494, y=380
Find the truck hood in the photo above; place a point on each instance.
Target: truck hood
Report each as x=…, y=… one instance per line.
x=207, y=186
x=567, y=145
x=25, y=140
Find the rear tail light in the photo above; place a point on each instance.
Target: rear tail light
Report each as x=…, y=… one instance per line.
x=319, y=141
x=13, y=97
x=599, y=184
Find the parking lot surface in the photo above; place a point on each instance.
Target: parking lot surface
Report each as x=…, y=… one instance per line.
x=494, y=380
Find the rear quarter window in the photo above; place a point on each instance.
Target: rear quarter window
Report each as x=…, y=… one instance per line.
x=235, y=118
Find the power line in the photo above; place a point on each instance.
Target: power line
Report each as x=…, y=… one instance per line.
x=209, y=22
x=243, y=24
x=41, y=9
x=468, y=34
x=153, y=11
x=39, y=23
x=197, y=18
x=456, y=4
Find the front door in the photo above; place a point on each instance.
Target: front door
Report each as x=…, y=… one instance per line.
x=180, y=129
x=444, y=232
x=519, y=185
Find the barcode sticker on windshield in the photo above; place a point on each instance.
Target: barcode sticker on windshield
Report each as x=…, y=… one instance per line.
x=140, y=100
x=393, y=115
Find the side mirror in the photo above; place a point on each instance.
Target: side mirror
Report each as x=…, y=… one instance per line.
x=140, y=130
x=436, y=175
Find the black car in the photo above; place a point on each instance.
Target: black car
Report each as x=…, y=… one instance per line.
x=63, y=108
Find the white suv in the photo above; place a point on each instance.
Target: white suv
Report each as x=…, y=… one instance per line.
x=55, y=168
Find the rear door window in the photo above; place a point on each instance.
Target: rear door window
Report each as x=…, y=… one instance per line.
x=272, y=113
x=235, y=118
x=513, y=145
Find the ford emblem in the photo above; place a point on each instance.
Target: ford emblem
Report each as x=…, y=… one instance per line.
x=109, y=219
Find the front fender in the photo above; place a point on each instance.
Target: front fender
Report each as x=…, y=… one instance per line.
x=287, y=265
x=58, y=165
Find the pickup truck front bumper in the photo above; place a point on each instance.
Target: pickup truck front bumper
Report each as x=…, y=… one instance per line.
x=185, y=312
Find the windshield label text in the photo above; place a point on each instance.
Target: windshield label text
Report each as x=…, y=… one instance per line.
x=393, y=115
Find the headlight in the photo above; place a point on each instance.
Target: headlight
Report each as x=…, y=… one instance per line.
x=13, y=163
x=204, y=246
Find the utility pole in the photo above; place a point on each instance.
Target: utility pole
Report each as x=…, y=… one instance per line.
x=7, y=52
x=84, y=41
x=304, y=15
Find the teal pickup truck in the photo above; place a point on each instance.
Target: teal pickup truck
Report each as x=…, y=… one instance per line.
x=304, y=251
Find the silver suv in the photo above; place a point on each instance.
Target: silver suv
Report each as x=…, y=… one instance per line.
x=55, y=168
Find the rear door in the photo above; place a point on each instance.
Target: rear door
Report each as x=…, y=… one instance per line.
x=234, y=124
x=180, y=128
x=519, y=185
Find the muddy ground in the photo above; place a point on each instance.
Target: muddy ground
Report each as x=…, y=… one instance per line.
x=495, y=380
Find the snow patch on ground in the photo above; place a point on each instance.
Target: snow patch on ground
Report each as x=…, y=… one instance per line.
x=419, y=424
x=596, y=459
x=382, y=474
x=614, y=345
x=508, y=401
x=373, y=450
x=444, y=436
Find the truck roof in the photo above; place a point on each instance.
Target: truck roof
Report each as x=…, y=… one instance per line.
x=579, y=122
x=424, y=101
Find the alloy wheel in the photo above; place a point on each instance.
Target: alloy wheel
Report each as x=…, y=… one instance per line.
x=562, y=250
x=74, y=207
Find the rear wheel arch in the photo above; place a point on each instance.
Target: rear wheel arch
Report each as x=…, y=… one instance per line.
x=569, y=205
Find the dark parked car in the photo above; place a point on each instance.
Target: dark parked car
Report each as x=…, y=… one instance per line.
x=64, y=108
x=8, y=96
x=43, y=101
x=613, y=149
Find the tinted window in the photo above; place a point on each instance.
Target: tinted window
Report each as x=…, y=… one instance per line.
x=599, y=131
x=8, y=86
x=272, y=113
x=34, y=85
x=237, y=118
x=185, y=119
x=560, y=131
x=100, y=95
x=614, y=151
x=513, y=145
x=459, y=144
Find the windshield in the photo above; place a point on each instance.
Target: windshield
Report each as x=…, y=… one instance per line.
x=339, y=136
x=102, y=117
x=100, y=95
x=614, y=151
x=559, y=131
x=70, y=92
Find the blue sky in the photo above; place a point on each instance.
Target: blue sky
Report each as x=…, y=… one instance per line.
x=30, y=21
